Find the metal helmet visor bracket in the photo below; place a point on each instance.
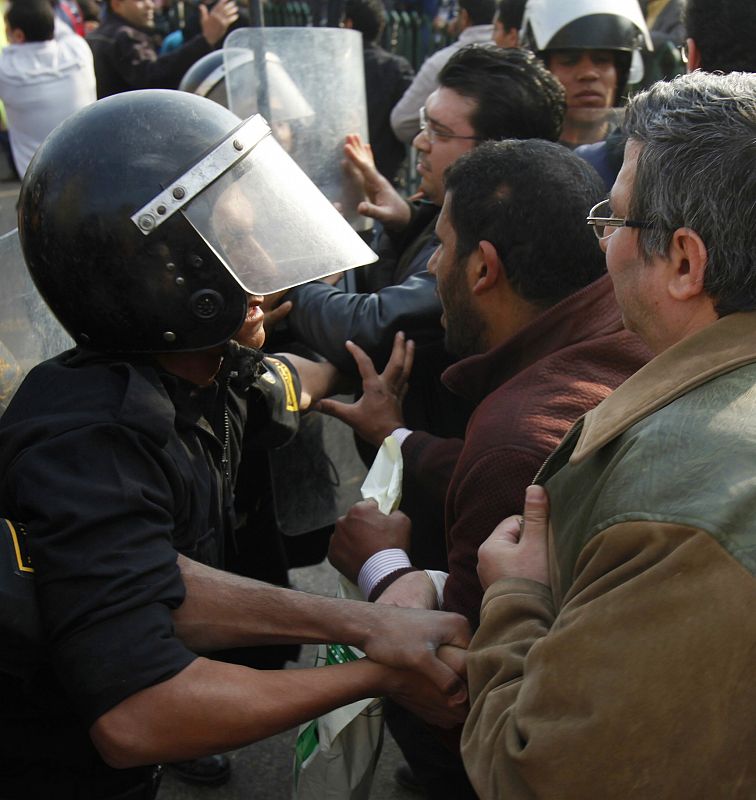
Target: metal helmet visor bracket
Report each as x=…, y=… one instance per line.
x=265, y=220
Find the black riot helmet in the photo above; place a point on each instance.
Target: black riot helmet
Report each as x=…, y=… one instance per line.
x=147, y=218
x=615, y=25
x=207, y=78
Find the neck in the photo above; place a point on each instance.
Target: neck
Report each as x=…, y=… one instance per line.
x=505, y=320
x=199, y=368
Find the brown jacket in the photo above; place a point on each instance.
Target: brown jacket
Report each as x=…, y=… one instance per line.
x=528, y=392
x=633, y=676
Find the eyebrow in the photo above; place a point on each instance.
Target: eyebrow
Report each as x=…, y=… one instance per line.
x=436, y=124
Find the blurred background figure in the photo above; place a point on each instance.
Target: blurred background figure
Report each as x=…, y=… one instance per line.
x=46, y=73
x=507, y=22
x=474, y=26
x=126, y=46
x=387, y=78
x=721, y=35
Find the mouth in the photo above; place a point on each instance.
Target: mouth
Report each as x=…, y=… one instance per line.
x=422, y=166
x=589, y=100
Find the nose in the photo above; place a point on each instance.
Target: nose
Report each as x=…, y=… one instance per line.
x=433, y=261
x=587, y=69
x=421, y=141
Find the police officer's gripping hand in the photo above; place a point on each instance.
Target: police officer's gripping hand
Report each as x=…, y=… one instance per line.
x=383, y=202
x=518, y=546
x=216, y=22
x=379, y=411
x=416, y=693
x=411, y=638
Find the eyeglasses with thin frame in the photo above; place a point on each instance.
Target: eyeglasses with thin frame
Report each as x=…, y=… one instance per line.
x=436, y=135
x=605, y=223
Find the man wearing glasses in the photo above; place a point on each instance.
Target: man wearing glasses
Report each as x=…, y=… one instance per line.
x=484, y=93
x=615, y=653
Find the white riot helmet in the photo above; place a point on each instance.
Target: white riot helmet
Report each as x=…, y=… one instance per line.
x=617, y=25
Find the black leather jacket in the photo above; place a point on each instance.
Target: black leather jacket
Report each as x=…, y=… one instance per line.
x=400, y=294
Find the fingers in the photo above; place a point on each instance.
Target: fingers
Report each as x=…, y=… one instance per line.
x=368, y=209
x=454, y=657
x=399, y=365
x=275, y=315
x=362, y=359
x=335, y=408
x=445, y=679
x=536, y=513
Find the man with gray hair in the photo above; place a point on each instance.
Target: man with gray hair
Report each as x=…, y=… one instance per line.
x=616, y=648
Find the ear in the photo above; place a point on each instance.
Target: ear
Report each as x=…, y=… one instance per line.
x=487, y=268
x=694, y=55
x=688, y=257
x=463, y=20
x=16, y=36
x=347, y=23
x=511, y=38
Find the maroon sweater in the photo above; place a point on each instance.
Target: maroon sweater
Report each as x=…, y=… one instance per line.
x=528, y=391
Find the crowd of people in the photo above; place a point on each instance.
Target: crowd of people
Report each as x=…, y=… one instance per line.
x=557, y=331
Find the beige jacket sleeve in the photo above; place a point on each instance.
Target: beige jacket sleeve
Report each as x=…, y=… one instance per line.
x=640, y=684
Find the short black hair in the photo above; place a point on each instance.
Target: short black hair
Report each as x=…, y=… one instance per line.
x=480, y=11
x=35, y=18
x=724, y=32
x=509, y=13
x=368, y=17
x=530, y=200
x=516, y=96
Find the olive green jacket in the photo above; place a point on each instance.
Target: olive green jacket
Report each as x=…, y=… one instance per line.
x=634, y=676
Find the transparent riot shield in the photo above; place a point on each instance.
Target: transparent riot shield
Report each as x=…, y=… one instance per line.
x=29, y=332
x=312, y=92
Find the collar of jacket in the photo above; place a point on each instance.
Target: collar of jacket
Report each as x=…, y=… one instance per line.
x=589, y=313
x=719, y=348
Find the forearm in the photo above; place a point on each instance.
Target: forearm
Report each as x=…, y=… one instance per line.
x=324, y=318
x=222, y=610
x=516, y=614
x=211, y=707
x=318, y=379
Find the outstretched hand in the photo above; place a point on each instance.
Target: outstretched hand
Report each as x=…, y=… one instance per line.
x=383, y=202
x=379, y=411
x=216, y=22
x=518, y=546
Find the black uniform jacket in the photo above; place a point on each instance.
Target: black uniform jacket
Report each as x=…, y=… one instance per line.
x=112, y=465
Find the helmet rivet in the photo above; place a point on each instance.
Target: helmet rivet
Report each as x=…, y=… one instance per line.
x=146, y=222
x=161, y=210
x=180, y=281
x=195, y=261
x=238, y=145
x=170, y=266
x=179, y=192
x=169, y=336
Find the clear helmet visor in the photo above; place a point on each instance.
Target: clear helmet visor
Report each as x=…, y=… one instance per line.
x=263, y=217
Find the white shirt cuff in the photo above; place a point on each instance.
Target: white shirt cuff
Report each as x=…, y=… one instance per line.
x=400, y=434
x=438, y=579
x=380, y=564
